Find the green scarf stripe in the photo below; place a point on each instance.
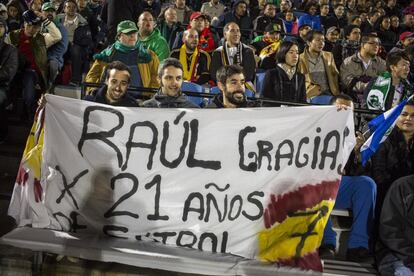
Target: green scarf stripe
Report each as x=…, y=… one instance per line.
x=106, y=54
x=379, y=92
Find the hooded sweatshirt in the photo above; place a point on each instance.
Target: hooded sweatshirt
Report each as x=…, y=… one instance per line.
x=157, y=43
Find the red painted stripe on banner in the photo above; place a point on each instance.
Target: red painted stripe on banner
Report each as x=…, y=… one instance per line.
x=305, y=197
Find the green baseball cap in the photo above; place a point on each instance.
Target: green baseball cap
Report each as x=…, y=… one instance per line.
x=126, y=26
x=48, y=6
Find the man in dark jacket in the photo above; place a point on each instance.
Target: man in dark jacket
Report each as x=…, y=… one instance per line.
x=231, y=82
x=33, y=62
x=56, y=52
x=169, y=27
x=80, y=40
x=349, y=46
x=114, y=92
x=239, y=16
x=233, y=52
x=8, y=68
x=115, y=11
x=268, y=17
x=170, y=75
x=396, y=255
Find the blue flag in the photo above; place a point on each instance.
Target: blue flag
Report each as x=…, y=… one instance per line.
x=380, y=127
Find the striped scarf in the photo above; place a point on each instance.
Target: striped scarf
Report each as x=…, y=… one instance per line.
x=190, y=73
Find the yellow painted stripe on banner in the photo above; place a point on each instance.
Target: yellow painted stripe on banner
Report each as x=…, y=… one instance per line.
x=297, y=235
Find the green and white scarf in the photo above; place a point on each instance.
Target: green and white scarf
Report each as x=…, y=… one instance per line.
x=379, y=92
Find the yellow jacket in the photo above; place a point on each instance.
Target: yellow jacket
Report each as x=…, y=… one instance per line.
x=313, y=89
x=148, y=71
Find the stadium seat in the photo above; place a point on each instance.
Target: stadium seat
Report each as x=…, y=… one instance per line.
x=259, y=83
x=196, y=88
x=321, y=100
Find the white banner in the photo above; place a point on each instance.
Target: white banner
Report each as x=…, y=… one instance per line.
x=258, y=183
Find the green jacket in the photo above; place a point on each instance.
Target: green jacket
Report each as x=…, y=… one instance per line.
x=38, y=45
x=157, y=43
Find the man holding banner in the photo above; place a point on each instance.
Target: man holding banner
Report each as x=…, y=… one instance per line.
x=114, y=92
x=356, y=192
x=231, y=82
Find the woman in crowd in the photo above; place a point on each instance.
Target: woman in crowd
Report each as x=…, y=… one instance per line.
x=284, y=82
x=387, y=37
x=395, y=157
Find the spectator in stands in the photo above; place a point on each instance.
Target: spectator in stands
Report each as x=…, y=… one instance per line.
x=14, y=19
x=233, y=52
x=114, y=91
x=386, y=36
x=169, y=27
x=3, y=11
x=239, y=16
x=331, y=38
x=395, y=25
x=58, y=4
x=395, y=256
x=406, y=39
x=349, y=46
x=8, y=68
x=326, y=19
x=311, y=18
x=80, y=40
x=256, y=10
x=195, y=62
x=267, y=46
x=271, y=35
x=56, y=52
x=268, y=17
x=301, y=39
x=318, y=66
x=290, y=22
x=359, y=69
x=96, y=7
x=83, y=9
x=356, y=20
x=395, y=156
x=183, y=12
x=409, y=9
x=340, y=17
x=33, y=62
x=357, y=193
x=36, y=6
x=368, y=25
x=115, y=11
x=208, y=40
x=213, y=8
x=152, y=6
x=284, y=82
x=231, y=82
x=392, y=9
x=408, y=23
x=284, y=6
x=170, y=76
x=391, y=87
x=151, y=37
x=142, y=62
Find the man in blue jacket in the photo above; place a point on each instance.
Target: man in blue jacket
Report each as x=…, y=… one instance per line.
x=55, y=52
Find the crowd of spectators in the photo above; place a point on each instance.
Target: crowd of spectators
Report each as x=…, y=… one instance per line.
x=356, y=52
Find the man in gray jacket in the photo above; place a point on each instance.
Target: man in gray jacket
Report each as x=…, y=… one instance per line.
x=358, y=69
x=170, y=75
